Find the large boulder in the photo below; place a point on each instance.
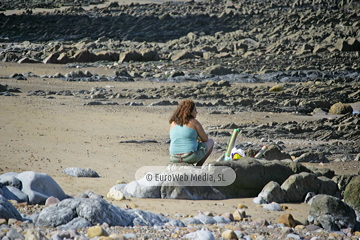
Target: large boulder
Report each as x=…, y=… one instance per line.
x=162, y=188
x=327, y=186
x=342, y=181
x=183, y=54
x=140, y=189
x=341, y=108
x=150, y=55
x=107, y=56
x=52, y=58
x=39, y=187
x=272, y=192
x=252, y=175
x=331, y=213
x=298, y=185
x=7, y=210
x=84, y=55
x=273, y=152
x=130, y=56
x=95, y=211
x=9, y=179
x=13, y=193
x=352, y=193
x=84, y=212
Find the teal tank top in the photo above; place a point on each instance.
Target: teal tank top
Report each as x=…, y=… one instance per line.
x=183, y=140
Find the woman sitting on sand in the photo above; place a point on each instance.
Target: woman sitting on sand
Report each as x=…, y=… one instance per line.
x=189, y=142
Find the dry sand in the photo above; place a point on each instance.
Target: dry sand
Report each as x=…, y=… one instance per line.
x=49, y=135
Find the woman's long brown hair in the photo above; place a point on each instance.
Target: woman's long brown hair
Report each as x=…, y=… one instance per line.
x=182, y=114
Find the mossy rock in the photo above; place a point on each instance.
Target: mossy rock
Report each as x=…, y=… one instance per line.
x=341, y=108
x=352, y=193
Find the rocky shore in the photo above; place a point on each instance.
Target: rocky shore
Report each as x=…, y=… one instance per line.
x=286, y=73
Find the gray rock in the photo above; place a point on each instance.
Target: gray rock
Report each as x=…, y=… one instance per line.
x=293, y=236
x=39, y=186
x=55, y=216
x=80, y=172
x=342, y=181
x=331, y=213
x=84, y=55
x=95, y=211
x=239, y=234
x=259, y=200
x=200, y=235
x=192, y=220
x=28, y=60
x=145, y=218
x=205, y=219
x=272, y=207
x=352, y=193
x=164, y=103
x=130, y=56
x=298, y=185
x=67, y=234
x=322, y=171
x=91, y=194
x=14, y=193
x=265, y=103
x=312, y=157
x=7, y=210
x=272, y=192
x=183, y=54
x=308, y=198
x=9, y=179
x=191, y=192
x=150, y=55
x=220, y=219
x=252, y=175
x=274, y=152
x=120, y=188
x=134, y=189
x=176, y=223
x=13, y=234
x=107, y=56
x=75, y=223
x=327, y=186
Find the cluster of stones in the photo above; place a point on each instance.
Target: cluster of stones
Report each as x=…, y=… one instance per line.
x=90, y=216
x=341, y=128
x=305, y=97
x=313, y=34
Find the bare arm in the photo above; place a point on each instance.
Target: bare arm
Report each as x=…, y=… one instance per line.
x=200, y=130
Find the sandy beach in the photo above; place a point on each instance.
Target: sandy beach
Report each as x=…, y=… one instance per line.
x=48, y=134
